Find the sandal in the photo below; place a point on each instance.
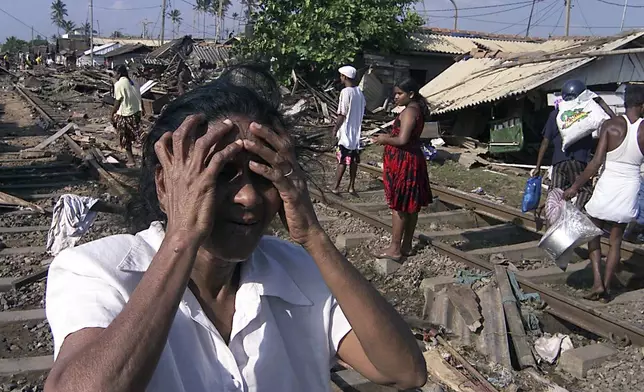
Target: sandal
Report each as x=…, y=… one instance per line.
x=385, y=256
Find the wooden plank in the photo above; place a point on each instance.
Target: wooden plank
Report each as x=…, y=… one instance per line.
x=467, y=234
x=22, y=251
x=514, y=320
x=5, y=284
x=28, y=229
x=19, y=176
x=459, y=218
x=22, y=315
x=53, y=137
x=43, y=185
x=468, y=366
x=522, y=251
x=444, y=373
x=13, y=366
x=16, y=201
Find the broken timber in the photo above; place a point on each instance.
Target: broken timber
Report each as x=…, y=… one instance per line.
x=52, y=138
x=470, y=369
x=464, y=300
x=6, y=199
x=514, y=320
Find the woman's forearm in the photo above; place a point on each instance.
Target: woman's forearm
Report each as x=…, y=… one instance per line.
x=384, y=335
x=125, y=355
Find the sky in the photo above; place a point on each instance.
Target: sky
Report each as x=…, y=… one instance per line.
x=588, y=17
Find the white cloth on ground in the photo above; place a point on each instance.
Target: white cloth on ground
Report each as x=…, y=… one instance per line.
x=352, y=105
x=72, y=217
x=615, y=196
x=286, y=328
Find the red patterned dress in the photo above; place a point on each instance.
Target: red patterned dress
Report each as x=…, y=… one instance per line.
x=405, y=172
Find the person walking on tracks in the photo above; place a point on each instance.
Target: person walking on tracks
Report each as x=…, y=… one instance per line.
x=614, y=202
x=127, y=111
x=404, y=169
x=568, y=165
x=347, y=128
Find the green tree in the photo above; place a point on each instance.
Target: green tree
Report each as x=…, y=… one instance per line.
x=68, y=26
x=325, y=34
x=39, y=41
x=176, y=19
x=116, y=34
x=58, y=14
x=86, y=28
x=14, y=45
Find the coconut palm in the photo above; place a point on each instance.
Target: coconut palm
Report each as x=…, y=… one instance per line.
x=235, y=16
x=176, y=19
x=68, y=26
x=219, y=18
x=58, y=13
x=203, y=6
x=86, y=28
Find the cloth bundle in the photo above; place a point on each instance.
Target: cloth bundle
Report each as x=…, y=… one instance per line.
x=72, y=217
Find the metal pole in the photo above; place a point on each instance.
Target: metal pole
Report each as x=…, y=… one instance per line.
x=527, y=31
x=568, y=6
x=91, y=31
x=621, y=27
x=163, y=10
x=455, y=15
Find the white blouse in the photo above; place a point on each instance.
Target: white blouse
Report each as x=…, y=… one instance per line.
x=285, y=333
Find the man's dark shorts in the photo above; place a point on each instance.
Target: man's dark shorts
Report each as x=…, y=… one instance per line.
x=346, y=156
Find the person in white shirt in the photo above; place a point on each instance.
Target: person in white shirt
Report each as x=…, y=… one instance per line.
x=127, y=111
x=347, y=128
x=201, y=301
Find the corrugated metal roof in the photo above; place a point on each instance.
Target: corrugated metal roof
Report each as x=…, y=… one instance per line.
x=211, y=54
x=474, y=81
x=125, y=49
x=103, y=49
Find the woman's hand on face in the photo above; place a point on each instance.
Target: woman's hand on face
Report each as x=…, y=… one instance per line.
x=287, y=176
x=187, y=177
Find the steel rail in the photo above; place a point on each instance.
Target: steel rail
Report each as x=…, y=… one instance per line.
x=559, y=305
x=629, y=252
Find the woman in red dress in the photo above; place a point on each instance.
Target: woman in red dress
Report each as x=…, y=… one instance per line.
x=404, y=169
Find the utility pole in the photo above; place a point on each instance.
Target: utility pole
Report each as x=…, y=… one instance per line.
x=621, y=27
x=163, y=10
x=568, y=6
x=91, y=31
x=456, y=14
x=527, y=31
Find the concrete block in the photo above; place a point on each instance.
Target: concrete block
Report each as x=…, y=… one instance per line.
x=326, y=219
x=386, y=266
x=577, y=361
x=370, y=207
x=352, y=240
x=545, y=275
x=436, y=283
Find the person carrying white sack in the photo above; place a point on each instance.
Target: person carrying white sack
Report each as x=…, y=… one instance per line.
x=569, y=164
x=614, y=202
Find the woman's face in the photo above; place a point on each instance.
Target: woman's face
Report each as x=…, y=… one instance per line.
x=401, y=98
x=245, y=202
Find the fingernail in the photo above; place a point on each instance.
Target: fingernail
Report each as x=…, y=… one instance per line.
x=239, y=142
x=253, y=163
x=228, y=122
x=255, y=125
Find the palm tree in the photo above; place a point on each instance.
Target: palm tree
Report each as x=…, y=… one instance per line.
x=58, y=13
x=203, y=6
x=176, y=19
x=235, y=16
x=68, y=26
x=86, y=28
x=116, y=34
x=219, y=18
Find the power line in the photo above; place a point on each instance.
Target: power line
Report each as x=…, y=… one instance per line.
x=478, y=7
x=557, y=24
x=581, y=11
x=492, y=13
x=127, y=9
x=23, y=23
x=620, y=5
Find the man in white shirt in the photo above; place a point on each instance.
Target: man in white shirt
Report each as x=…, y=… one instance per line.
x=347, y=128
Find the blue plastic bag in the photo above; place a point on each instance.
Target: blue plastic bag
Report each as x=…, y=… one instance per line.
x=531, y=194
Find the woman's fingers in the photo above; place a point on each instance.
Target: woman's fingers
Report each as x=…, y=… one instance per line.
x=220, y=158
x=181, y=138
x=161, y=149
x=280, y=143
x=205, y=145
x=273, y=175
x=263, y=152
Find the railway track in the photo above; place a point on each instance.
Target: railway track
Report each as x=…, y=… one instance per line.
x=26, y=345
x=484, y=229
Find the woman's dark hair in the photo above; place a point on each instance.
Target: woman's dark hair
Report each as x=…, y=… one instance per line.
x=245, y=90
x=122, y=72
x=409, y=86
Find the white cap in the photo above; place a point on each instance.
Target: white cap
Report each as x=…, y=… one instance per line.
x=348, y=71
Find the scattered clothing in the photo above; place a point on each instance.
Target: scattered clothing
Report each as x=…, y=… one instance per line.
x=129, y=95
x=405, y=172
x=286, y=330
x=548, y=348
x=564, y=175
x=352, y=106
x=615, y=197
x=346, y=156
x=128, y=128
x=72, y=217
